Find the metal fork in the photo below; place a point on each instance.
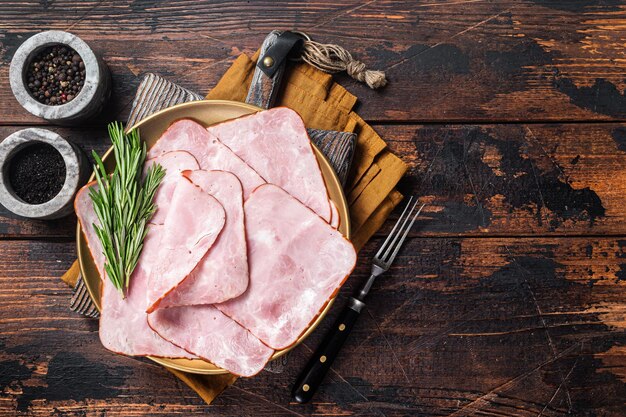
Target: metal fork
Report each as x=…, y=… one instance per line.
x=313, y=373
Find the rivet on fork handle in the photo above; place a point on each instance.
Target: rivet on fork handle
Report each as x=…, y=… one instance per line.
x=312, y=375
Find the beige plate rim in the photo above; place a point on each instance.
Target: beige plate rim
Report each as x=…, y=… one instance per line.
x=196, y=110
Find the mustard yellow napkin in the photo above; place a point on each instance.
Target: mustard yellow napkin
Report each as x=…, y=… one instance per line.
x=323, y=104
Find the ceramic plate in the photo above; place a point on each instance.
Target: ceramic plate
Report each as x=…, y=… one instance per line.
x=206, y=112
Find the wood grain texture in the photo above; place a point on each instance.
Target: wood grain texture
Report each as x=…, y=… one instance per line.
x=338, y=147
x=518, y=179
x=509, y=296
x=478, y=180
x=535, y=326
x=465, y=60
x=155, y=93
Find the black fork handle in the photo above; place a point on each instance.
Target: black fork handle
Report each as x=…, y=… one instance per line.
x=313, y=373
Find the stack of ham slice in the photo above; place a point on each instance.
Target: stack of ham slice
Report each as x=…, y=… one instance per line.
x=275, y=144
x=242, y=253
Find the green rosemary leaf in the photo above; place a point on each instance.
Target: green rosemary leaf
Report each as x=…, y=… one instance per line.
x=123, y=203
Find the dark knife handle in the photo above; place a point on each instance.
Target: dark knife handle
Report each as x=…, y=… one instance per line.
x=264, y=90
x=313, y=373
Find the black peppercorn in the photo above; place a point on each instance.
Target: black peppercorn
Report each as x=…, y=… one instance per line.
x=56, y=75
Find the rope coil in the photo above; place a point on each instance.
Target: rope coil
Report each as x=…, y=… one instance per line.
x=333, y=58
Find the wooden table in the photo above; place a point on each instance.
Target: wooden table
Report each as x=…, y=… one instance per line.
x=509, y=298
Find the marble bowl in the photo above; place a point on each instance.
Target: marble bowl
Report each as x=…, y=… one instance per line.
x=87, y=103
x=77, y=171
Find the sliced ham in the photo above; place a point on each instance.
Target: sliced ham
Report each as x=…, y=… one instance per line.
x=206, y=332
x=192, y=225
x=83, y=206
x=173, y=163
x=297, y=263
x=187, y=135
x=335, y=219
x=123, y=322
x=242, y=253
x=223, y=272
x=276, y=145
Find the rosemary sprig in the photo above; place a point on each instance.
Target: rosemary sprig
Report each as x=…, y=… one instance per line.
x=123, y=203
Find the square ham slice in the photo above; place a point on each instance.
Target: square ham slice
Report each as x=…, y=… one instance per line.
x=123, y=322
x=193, y=223
x=297, y=263
x=276, y=145
x=223, y=272
x=211, y=154
x=206, y=332
x=173, y=163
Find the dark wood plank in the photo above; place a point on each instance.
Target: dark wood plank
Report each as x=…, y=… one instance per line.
x=460, y=326
x=449, y=61
x=480, y=315
x=515, y=179
x=550, y=179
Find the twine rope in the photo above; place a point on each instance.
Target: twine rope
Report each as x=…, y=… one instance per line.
x=333, y=58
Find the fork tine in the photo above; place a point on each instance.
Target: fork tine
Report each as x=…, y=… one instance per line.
x=402, y=225
x=406, y=232
x=391, y=234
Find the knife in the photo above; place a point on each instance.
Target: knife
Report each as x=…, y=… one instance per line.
x=277, y=49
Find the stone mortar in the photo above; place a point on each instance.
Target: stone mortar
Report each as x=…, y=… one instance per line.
x=77, y=171
x=87, y=103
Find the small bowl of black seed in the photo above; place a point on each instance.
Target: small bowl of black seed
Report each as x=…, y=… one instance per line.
x=57, y=76
x=40, y=173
